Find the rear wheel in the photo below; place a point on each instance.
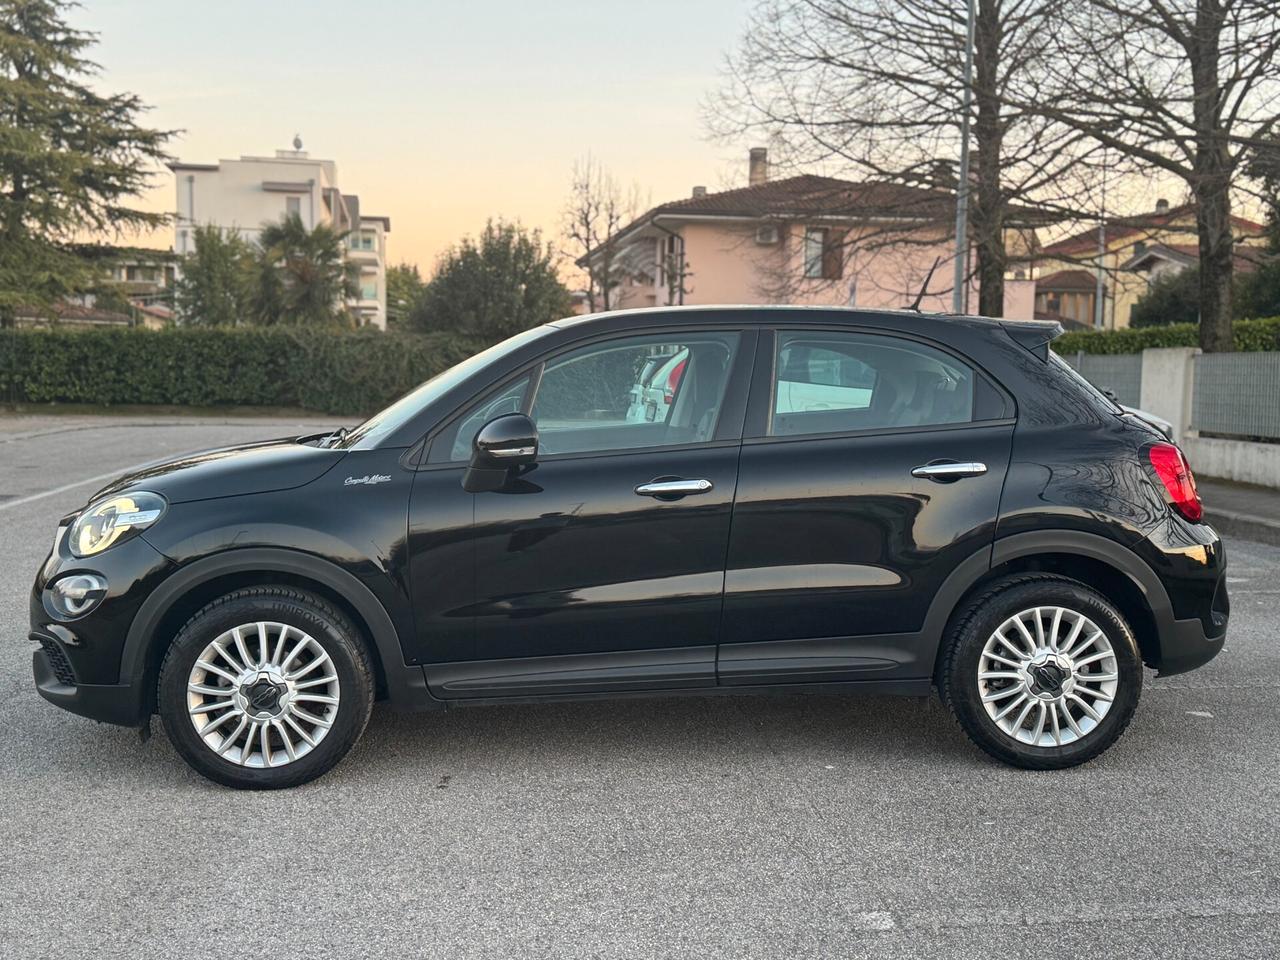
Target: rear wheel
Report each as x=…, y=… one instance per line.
x=267, y=687
x=1042, y=671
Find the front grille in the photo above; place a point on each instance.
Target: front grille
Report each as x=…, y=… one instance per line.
x=58, y=660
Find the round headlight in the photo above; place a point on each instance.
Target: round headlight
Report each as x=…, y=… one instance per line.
x=75, y=595
x=109, y=521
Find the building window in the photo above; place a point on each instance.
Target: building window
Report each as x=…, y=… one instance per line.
x=292, y=206
x=363, y=240
x=369, y=291
x=823, y=253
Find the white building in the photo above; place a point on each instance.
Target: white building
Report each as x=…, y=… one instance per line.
x=244, y=194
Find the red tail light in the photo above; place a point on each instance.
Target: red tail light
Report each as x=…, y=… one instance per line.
x=1179, y=482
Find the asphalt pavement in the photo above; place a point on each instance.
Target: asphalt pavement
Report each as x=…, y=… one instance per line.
x=812, y=826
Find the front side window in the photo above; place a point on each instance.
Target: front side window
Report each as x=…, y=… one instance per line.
x=839, y=382
x=624, y=394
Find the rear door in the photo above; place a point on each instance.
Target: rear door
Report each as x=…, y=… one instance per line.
x=872, y=467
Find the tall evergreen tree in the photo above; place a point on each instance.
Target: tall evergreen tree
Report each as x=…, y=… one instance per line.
x=214, y=287
x=71, y=159
x=495, y=286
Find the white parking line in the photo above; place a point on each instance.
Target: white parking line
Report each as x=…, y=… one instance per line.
x=71, y=486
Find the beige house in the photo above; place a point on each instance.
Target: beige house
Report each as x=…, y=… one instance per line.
x=243, y=194
x=799, y=240
x=1138, y=249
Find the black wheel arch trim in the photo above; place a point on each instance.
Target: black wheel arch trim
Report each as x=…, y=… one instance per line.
x=406, y=685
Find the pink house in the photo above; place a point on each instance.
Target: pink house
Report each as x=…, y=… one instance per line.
x=799, y=240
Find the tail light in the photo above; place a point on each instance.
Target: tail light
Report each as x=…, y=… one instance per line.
x=673, y=383
x=1179, y=482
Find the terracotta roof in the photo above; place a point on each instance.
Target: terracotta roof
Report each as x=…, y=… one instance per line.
x=1245, y=259
x=1143, y=223
x=1068, y=280
x=812, y=194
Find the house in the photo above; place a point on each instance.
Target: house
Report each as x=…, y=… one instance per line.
x=799, y=240
x=243, y=194
x=1138, y=249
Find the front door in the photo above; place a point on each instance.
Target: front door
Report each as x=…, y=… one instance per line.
x=602, y=567
x=875, y=470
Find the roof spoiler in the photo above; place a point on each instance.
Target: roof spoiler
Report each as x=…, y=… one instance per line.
x=1034, y=336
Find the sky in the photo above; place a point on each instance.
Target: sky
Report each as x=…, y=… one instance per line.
x=438, y=113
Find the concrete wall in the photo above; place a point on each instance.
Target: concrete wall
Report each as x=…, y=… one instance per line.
x=1167, y=387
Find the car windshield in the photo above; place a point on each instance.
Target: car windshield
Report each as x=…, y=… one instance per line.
x=368, y=434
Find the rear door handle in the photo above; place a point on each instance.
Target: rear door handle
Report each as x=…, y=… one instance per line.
x=673, y=488
x=942, y=472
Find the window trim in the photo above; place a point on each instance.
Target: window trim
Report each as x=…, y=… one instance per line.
x=759, y=421
x=729, y=425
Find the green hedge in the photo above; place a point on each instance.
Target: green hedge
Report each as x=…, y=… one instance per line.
x=1250, y=335
x=341, y=373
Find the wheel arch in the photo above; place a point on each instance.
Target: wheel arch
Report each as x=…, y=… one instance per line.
x=1117, y=572
x=192, y=586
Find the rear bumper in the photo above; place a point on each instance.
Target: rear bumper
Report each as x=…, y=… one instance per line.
x=1187, y=646
x=110, y=702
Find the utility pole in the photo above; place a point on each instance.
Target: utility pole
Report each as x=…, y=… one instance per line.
x=958, y=292
x=1100, y=289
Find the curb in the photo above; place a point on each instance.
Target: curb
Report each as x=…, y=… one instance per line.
x=1244, y=526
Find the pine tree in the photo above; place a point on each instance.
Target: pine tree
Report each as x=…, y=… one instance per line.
x=71, y=159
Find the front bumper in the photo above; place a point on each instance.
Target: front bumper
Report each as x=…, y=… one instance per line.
x=108, y=702
x=77, y=665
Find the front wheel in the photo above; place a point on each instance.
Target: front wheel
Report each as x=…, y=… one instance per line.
x=1041, y=672
x=267, y=687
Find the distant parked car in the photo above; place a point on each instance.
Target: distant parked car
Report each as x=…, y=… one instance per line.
x=653, y=503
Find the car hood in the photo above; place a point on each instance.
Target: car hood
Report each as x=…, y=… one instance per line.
x=260, y=467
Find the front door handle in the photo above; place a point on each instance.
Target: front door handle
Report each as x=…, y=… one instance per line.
x=673, y=488
x=943, y=472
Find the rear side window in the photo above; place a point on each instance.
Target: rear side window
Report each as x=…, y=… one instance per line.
x=838, y=382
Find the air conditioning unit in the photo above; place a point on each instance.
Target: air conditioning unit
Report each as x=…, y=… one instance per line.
x=767, y=235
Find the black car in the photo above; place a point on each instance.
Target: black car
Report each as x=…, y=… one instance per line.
x=830, y=500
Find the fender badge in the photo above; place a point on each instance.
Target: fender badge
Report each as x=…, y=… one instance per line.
x=369, y=479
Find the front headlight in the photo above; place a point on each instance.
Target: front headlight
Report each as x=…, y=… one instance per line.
x=109, y=521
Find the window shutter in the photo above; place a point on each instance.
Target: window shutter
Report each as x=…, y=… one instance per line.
x=833, y=255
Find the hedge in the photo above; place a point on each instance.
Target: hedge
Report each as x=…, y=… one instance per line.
x=1250, y=335
x=340, y=373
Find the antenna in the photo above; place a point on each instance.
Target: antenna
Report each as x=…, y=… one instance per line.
x=915, y=305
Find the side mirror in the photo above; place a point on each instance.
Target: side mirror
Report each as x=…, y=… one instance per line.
x=504, y=442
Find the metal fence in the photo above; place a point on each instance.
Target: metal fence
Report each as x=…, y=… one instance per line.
x=1237, y=395
x=1119, y=373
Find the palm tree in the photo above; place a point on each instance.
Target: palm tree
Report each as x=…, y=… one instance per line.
x=304, y=278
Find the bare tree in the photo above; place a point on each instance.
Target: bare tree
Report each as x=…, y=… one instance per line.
x=1184, y=87
x=595, y=213
x=876, y=87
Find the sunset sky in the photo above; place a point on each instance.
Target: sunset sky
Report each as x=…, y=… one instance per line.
x=439, y=113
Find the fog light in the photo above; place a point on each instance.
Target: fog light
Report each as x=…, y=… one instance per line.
x=75, y=595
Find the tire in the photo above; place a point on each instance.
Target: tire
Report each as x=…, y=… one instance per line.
x=265, y=662
x=981, y=676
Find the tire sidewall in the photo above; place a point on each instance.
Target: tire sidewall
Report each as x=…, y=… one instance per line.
x=328, y=629
x=965, y=699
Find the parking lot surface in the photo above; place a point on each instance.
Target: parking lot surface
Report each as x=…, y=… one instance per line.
x=718, y=827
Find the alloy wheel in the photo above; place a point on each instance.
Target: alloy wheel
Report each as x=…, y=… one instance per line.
x=263, y=694
x=1048, y=676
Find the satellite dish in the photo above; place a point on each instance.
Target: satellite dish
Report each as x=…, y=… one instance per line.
x=297, y=141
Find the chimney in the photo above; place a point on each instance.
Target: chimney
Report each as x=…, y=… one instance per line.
x=758, y=166
x=1162, y=206
x=699, y=192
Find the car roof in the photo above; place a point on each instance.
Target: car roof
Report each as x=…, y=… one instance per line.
x=785, y=315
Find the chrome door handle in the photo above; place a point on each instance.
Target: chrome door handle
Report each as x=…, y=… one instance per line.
x=949, y=471
x=673, y=488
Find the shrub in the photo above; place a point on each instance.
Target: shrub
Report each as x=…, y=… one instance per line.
x=341, y=373
x=1250, y=335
